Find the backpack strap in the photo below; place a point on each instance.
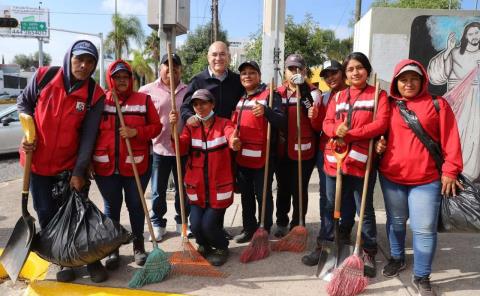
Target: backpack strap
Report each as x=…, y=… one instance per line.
x=47, y=77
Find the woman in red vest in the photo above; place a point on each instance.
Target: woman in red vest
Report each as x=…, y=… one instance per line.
x=208, y=175
x=349, y=120
x=111, y=162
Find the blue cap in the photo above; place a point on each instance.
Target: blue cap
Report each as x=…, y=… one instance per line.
x=121, y=67
x=85, y=47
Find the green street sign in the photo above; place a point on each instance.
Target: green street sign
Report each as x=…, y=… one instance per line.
x=34, y=26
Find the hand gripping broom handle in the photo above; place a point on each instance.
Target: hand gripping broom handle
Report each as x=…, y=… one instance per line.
x=267, y=157
x=135, y=171
x=177, y=146
x=367, y=172
x=299, y=149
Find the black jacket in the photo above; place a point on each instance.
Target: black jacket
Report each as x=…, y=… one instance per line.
x=227, y=93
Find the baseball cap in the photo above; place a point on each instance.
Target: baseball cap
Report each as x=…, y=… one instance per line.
x=203, y=94
x=295, y=60
x=330, y=65
x=120, y=67
x=85, y=47
x=411, y=67
x=252, y=64
x=175, y=59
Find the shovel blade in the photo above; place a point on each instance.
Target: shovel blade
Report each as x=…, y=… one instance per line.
x=335, y=255
x=18, y=247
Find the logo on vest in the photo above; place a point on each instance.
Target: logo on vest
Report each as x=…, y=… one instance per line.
x=80, y=107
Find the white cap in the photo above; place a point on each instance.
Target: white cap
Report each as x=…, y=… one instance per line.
x=411, y=67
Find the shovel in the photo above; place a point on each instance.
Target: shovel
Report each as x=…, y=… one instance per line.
x=18, y=246
x=333, y=253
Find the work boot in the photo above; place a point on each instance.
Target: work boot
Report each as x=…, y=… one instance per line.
x=204, y=250
x=112, y=261
x=281, y=231
x=423, y=286
x=312, y=258
x=65, y=275
x=393, y=267
x=139, y=254
x=97, y=272
x=244, y=237
x=370, y=265
x=218, y=257
x=158, y=233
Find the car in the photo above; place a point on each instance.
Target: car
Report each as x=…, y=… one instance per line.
x=10, y=130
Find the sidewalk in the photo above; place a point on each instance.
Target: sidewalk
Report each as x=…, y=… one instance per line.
x=456, y=269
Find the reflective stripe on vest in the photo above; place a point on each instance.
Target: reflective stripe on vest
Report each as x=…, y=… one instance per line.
x=193, y=197
x=101, y=158
x=303, y=147
x=137, y=159
x=127, y=108
x=331, y=158
x=358, y=156
x=224, y=195
x=198, y=143
x=251, y=153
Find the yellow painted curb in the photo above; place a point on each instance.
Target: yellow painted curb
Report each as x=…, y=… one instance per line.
x=35, y=268
x=47, y=288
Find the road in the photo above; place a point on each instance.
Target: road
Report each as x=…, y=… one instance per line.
x=9, y=167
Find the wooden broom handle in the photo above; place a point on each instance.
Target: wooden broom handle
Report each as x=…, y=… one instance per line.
x=135, y=171
x=299, y=153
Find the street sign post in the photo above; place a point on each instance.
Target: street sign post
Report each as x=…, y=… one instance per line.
x=32, y=22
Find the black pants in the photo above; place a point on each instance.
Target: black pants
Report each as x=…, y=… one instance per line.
x=287, y=189
x=250, y=182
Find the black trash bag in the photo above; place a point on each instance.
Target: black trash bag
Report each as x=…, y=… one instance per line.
x=61, y=188
x=461, y=213
x=79, y=233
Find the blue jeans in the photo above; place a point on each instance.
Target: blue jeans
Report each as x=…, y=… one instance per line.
x=250, y=182
x=327, y=205
x=111, y=189
x=420, y=203
x=161, y=168
x=206, y=226
x=43, y=203
x=352, y=188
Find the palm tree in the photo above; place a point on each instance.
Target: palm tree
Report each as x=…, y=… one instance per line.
x=152, y=50
x=125, y=29
x=143, y=73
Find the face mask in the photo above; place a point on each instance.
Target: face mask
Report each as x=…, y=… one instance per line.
x=206, y=117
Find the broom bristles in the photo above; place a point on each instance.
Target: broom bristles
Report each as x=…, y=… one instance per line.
x=156, y=268
x=258, y=248
x=190, y=262
x=294, y=241
x=348, y=279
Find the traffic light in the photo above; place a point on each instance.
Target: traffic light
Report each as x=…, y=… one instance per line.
x=8, y=22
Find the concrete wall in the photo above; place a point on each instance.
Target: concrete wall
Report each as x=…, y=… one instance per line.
x=383, y=34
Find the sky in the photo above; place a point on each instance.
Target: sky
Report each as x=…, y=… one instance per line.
x=240, y=18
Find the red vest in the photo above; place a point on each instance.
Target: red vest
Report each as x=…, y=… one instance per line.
x=58, y=121
x=308, y=139
x=209, y=174
x=111, y=150
x=252, y=131
x=362, y=128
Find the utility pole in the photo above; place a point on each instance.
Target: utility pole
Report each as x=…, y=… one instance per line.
x=117, y=50
x=214, y=20
x=358, y=10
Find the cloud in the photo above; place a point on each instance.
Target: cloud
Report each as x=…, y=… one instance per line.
x=138, y=7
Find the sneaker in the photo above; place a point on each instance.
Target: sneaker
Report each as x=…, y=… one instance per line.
x=370, y=265
x=158, y=232
x=312, y=258
x=178, y=229
x=112, y=261
x=139, y=254
x=97, y=272
x=65, y=275
x=218, y=257
x=281, y=231
x=204, y=250
x=243, y=237
x=393, y=267
x=228, y=236
x=423, y=286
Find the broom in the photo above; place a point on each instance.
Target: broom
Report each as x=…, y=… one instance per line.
x=259, y=246
x=349, y=279
x=296, y=239
x=188, y=261
x=156, y=267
